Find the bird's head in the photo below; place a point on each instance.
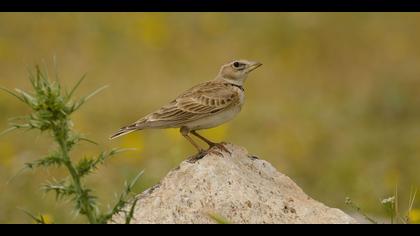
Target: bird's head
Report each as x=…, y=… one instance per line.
x=237, y=71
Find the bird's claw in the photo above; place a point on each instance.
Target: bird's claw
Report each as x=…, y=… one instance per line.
x=221, y=146
x=216, y=152
x=215, y=148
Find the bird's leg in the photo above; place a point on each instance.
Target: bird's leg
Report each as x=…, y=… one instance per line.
x=210, y=143
x=201, y=153
x=193, y=143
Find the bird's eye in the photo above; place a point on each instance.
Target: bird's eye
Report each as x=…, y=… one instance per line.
x=237, y=64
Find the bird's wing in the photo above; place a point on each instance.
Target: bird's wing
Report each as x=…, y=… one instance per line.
x=198, y=102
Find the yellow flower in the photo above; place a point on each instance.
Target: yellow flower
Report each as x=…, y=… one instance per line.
x=134, y=140
x=47, y=218
x=414, y=216
x=152, y=29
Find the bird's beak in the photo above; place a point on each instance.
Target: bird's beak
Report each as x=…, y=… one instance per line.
x=253, y=66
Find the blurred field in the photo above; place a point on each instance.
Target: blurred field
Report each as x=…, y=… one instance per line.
x=336, y=105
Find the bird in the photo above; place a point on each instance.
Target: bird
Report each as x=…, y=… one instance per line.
x=206, y=105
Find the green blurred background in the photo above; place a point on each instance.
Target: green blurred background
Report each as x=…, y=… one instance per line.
x=336, y=105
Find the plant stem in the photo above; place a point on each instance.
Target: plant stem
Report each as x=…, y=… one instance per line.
x=84, y=201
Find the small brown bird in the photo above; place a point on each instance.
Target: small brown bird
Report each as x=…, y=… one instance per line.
x=203, y=106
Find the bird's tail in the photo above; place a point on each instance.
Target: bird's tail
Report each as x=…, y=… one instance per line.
x=126, y=130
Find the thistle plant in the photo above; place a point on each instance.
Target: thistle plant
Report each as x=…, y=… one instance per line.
x=52, y=107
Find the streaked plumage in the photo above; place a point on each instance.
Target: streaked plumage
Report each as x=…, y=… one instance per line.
x=203, y=106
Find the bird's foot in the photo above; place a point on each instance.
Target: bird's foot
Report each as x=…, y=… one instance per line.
x=220, y=146
x=214, y=150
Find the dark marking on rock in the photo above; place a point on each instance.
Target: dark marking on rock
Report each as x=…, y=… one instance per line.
x=197, y=157
x=287, y=209
x=152, y=189
x=253, y=157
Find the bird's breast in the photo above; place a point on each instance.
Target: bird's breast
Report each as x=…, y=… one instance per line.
x=215, y=120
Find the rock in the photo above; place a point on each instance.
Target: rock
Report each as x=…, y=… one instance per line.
x=238, y=188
